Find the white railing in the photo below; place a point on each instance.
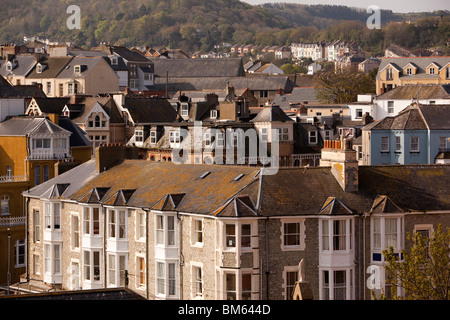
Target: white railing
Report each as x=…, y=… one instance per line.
x=48, y=155
x=12, y=221
x=13, y=178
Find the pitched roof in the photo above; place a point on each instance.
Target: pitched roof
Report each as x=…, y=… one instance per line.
x=53, y=66
x=271, y=113
x=129, y=55
x=146, y=110
x=421, y=62
x=51, y=105
x=422, y=117
x=417, y=91
x=184, y=68
x=87, y=65
x=22, y=126
x=24, y=65
x=291, y=191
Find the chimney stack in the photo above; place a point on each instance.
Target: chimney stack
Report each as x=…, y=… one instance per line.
x=340, y=156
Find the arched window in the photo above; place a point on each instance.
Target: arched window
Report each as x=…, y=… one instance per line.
x=5, y=205
x=97, y=121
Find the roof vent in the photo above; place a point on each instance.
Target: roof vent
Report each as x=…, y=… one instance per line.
x=205, y=174
x=239, y=177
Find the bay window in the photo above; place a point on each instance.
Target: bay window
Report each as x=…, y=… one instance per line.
x=166, y=279
x=336, y=284
x=91, y=265
x=52, y=215
x=336, y=234
x=165, y=230
x=116, y=270
x=117, y=224
x=91, y=221
x=386, y=231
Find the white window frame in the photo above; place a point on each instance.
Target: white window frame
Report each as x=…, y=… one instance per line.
x=414, y=144
x=330, y=288
x=91, y=223
x=93, y=278
x=384, y=144
x=390, y=107
x=327, y=242
x=141, y=274
x=166, y=279
x=301, y=234
x=165, y=237
x=115, y=273
x=264, y=135
x=139, y=135
x=52, y=217
x=398, y=145
x=312, y=137
x=37, y=226
x=197, y=281
x=75, y=231
x=117, y=224
x=153, y=137
x=378, y=227
x=51, y=265
x=141, y=226
x=197, y=232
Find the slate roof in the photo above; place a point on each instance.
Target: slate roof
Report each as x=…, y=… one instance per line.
x=22, y=126
x=291, y=191
x=88, y=63
x=299, y=95
x=25, y=63
x=78, y=136
x=422, y=117
x=191, y=68
x=52, y=105
x=271, y=113
x=54, y=65
x=146, y=110
x=253, y=83
x=92, y=294
x=421, y=62
x=129, y=55
x=408, y=92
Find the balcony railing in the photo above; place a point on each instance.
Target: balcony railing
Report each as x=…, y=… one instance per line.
x=49, y=154
x=4, y=179
x=12, y=221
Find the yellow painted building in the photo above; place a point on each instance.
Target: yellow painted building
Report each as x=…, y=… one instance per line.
x=29, y=149
x=394, y=72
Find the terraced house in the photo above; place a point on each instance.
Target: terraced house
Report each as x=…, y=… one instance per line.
x=201, y=231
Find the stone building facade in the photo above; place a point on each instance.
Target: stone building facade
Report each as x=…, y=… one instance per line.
x=201, y=231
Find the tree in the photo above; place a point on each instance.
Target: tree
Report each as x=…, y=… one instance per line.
x=342, y=86
x=424, y=272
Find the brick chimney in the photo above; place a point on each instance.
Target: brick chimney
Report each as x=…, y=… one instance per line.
x=340, y=156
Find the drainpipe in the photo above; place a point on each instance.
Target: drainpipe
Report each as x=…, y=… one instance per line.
x=147, y=217
x=180, y=250
x=105, y=237
x=26, y=214
x=267, y=259
x=364, y=256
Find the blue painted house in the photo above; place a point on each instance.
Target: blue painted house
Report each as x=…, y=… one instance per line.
x=420, y=134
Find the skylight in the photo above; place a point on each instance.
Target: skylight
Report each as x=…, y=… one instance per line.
x=204, y=174
x=238, y=177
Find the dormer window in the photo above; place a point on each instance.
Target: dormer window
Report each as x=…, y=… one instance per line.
x=184, y=110
x=152, y=136
x=213, y=114
x=113, y=61
x=408, y=71
x=39, y=68
x=77, y=69
x=9, y=66
x=432, y=71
